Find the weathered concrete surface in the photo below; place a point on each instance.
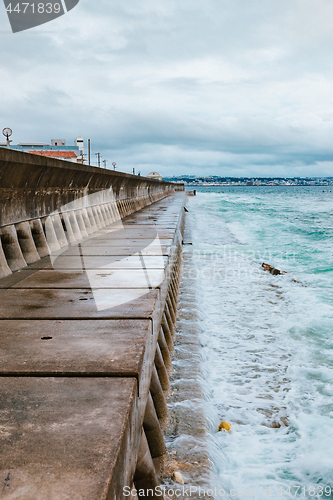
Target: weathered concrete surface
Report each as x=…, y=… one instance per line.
x=63, y=348
x=132, y=243
x=122, y=261
x=104, y=248
x=94, y=323
x=67, y=438
x=135, y=232
x=50, y=303
x=106, y=278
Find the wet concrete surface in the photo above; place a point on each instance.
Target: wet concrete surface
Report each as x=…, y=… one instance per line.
x=60, y=438
x=77, y=351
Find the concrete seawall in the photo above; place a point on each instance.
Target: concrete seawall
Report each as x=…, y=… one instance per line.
x=90, y=264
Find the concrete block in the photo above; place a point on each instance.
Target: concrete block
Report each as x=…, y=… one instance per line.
x=4, y=268
x=27, y=242
x=87, y=222
x=145, y=474
x=105, y=215
x=99, y=278
x=92, y=220
x=50, y=234
x=67, y=438
x=59, y=230
x=162, y=371
x=11, y=248
x=153, y=431
x=120, y=247
x=81, y=224
x=164, y=351
x=70, y=237
x=74, y=262
x=159, y=398
x=112, y=348
x=38, y=235
x=99, y=222
x=74, y=225
x=78, y=304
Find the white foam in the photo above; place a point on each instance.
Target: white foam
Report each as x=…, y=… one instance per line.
x=267, y=340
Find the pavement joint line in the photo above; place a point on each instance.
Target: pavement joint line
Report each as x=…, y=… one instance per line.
x=70, y=375
x=84, y=318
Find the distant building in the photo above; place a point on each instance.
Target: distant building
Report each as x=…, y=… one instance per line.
x=58, y=142
x=57, y=149
x=154, y=175
x=58, y=155
x=79, y=143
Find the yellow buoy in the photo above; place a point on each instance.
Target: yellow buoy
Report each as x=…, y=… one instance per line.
x=225, y=426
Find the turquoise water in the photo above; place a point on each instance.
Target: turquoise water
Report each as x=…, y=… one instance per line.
x=267, y=341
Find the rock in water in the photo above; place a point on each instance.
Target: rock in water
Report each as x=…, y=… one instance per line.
x=271, y=269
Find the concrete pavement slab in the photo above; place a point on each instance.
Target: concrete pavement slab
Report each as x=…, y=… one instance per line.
x=79, y=304
x=99, y=278
x=105, y=248
x=95, y=262
x=112, y=348
x=67, y=438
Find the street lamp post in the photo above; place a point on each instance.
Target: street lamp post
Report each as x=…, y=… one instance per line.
x=7, y=132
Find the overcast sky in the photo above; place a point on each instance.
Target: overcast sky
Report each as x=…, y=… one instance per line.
x=206, y=87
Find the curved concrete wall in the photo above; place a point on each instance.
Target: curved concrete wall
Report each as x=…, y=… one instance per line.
x=42, y=197
x=33, y=186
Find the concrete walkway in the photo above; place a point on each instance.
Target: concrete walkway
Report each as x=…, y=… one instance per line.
x=78, y=345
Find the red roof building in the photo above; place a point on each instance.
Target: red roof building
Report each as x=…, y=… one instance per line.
x=58, y=155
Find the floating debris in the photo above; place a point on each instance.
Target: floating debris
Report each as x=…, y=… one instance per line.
x=275, y=271
x=225, y=426
x=178, y=477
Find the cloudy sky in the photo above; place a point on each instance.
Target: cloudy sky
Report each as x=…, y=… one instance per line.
x=206, y=87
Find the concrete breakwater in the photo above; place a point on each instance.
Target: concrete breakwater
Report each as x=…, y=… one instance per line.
x=88, y=301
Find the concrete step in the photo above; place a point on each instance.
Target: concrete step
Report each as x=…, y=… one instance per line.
x=95, y=278
x=121, y=260
x=118, y=348
x=79, y=303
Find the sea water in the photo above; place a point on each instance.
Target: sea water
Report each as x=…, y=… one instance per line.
x=267, y=341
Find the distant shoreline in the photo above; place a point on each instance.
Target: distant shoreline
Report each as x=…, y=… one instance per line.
x=215, y=180
x=257, y=185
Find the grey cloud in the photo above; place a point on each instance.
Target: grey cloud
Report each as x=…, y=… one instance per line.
x=207, y=86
